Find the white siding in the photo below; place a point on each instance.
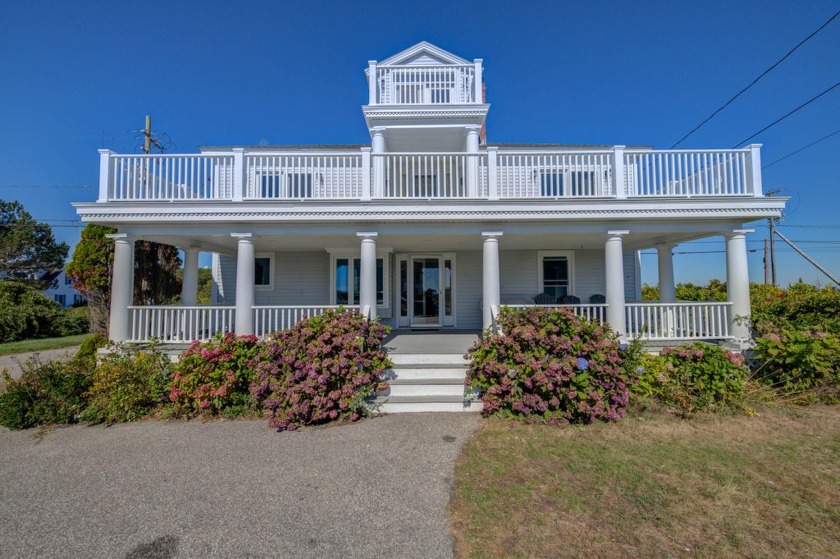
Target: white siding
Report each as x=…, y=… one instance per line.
x=468, y=290
x=630, y=275
x=300, y=278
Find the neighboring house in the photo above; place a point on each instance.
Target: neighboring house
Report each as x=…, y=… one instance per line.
x=429, y=226
x=61, y=289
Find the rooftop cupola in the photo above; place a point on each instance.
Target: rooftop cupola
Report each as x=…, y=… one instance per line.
x=421, y=88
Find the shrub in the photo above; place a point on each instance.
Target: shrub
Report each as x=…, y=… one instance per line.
x=28, y=314
x=800, y=307
x=127, y=384
x=320, y=370
x=692, y=378
x=802, y=366
x=550, y=366
x=71, y=321
x=51, y=392
x=213, y=377
x=90, y=345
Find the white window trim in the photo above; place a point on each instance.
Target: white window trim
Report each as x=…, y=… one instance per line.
x=570, y=258
x=383, y=254
x=270, y=256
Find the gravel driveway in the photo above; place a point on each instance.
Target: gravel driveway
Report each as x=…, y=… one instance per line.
x=231, y=489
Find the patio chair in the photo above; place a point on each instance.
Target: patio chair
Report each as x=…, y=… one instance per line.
x=544, y=299
x=568, y=300
x=597, y=299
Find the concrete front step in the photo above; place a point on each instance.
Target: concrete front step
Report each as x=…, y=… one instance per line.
x=416, y=404
x=427, y=359
x=426, y=383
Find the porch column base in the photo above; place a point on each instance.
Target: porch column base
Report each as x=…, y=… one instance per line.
x=614, y=264
x=491, y=296
x=738, y=286
x=122, y=288
x=244, y=316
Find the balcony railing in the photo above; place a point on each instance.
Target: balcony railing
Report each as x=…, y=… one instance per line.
x=425, y=85
x=678, y=321
x=487, y=175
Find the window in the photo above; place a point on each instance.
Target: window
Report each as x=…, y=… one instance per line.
x=275, y=184
x=553, y=181
x=67, y=280
x=78, y=299
x=60, y=299
x=264, y=270
x=556, y=273
x=347, y=274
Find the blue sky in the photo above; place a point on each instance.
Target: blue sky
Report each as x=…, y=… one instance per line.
x=75, y=77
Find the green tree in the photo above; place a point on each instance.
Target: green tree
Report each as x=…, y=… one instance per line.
x=155, y=273
x=27, y=248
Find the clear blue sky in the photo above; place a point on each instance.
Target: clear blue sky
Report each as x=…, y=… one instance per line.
x=77, y=76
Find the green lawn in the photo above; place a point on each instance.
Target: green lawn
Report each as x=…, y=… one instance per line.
x=42, y=344
x=653, y=486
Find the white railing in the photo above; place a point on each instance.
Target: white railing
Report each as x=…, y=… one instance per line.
x=170, y=177
x=272, y=318
x=487, y=175
x=688, y=173
x=304, y=176
x=591, y=311
x=429, y=175
x=179, y=324
x=425, y=85
x=683, y=321
x=555, y=175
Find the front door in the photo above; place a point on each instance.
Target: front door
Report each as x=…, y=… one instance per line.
x=426, y=290
x=426, y=299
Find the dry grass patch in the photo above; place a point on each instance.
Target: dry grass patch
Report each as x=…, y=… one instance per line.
x=653, y=486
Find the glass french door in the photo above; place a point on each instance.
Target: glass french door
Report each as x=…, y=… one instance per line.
x=426, y=290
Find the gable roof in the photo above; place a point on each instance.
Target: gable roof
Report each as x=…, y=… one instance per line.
x=421, y=50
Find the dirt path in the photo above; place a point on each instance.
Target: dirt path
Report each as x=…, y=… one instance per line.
x=14, y=361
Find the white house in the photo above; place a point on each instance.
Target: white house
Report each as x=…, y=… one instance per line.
x=428, y=226
x=61, y=289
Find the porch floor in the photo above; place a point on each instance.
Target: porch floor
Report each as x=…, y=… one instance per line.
x=436, y=341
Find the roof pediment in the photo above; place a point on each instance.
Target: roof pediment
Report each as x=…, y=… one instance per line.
x=423, y=53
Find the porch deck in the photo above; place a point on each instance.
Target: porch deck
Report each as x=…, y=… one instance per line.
x=427, y=342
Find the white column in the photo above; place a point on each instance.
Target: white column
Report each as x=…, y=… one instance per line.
x=372, y=82
x=189, y=285
x=619, y=173
x=244, y=321
x=492, y=173
x=738, y=284
x=614, y=264
x=366, y=184
x=472, y=161
x=754, y=170
x=477, y=80
x=491, y=295
x=377, y=145
x=122, y=287
x=106, y=167
x=367, y=275
x=667, y=290
x=239, y=179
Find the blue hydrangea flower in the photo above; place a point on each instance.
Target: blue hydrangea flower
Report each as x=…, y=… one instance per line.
x=640, y=370
x=622, y=347
x=583, y=364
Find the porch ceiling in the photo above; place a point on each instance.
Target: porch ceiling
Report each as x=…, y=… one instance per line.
x=433, y=240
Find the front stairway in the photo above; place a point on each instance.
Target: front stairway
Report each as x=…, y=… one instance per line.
x=428, y=375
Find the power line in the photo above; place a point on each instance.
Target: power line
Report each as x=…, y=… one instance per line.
x=778, y=120
x=752, y=83
x=802, y=149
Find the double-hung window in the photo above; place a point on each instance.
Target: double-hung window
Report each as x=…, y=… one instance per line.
x=556, y=273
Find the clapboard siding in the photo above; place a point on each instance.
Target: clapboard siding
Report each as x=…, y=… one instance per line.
x=468, y=289
x=630, y=275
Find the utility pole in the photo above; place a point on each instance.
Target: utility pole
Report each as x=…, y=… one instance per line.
x=766, y=261
x=147, y=137
x=772, y=223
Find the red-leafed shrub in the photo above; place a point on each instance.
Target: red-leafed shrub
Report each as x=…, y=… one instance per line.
x=550, y=366
x=214, y=376
x=320, y=370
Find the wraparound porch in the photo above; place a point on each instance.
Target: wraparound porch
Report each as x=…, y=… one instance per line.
x=410, y=285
